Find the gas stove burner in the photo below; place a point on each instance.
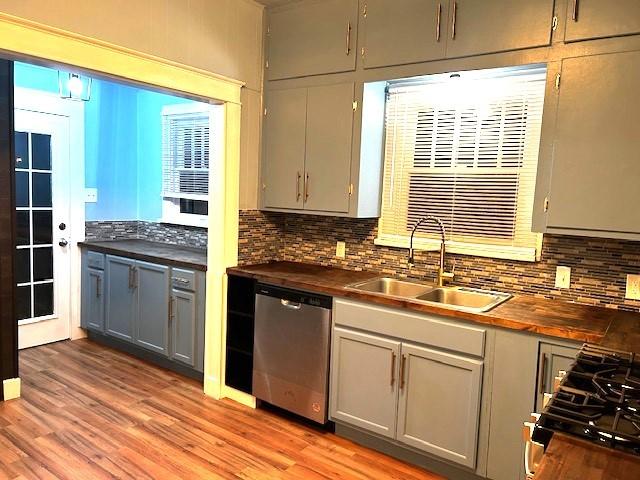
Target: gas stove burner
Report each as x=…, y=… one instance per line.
x=598, y=399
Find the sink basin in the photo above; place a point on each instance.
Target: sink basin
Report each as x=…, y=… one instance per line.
x=455, y=298
x=392, y=287
x=464, y=298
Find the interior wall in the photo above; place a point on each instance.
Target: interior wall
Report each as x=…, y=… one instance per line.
x=220, y=36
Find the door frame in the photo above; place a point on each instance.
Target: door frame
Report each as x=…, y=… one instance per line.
x=32, y=41
x=38, y=101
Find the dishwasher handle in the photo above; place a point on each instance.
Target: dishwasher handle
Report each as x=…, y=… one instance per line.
x=290, y=304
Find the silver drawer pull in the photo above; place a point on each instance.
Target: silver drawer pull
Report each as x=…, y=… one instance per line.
x=291, y=305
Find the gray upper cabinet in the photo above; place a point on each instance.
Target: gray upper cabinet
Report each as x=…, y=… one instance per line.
x=328, y=147
x=439, y=405
x=587, y=19
x=594, y=171
x=120, y=297
x=477, y=27
x=552, y=359
x=312, y=38
x=284, y=148
x=152, y=321
x=404, y=31
x=364, y=381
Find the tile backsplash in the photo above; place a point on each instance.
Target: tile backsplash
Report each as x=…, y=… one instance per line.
x=598, y=266
x=158, y=232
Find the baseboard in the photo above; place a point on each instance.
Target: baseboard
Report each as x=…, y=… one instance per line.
x=11, y=388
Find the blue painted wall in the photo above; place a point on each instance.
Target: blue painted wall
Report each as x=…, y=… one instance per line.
x=123, y=144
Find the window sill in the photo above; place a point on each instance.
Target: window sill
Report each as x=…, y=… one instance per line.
x=522, y=254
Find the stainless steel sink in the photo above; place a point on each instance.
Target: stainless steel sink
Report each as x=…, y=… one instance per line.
x=392, y=287
x=455, y=298
x=464, y=298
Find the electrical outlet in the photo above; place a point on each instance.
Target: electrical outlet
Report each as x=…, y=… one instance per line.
x=563, y=277
x=90, y=195
x=633, y=287
x=341, y=249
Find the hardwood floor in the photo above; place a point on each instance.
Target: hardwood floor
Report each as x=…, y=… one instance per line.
x=89, y=412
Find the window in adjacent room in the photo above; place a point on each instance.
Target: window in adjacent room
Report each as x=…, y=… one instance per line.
x=464, y=147
x=188, y=137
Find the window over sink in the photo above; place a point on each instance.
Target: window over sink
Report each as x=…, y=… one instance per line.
x=189, y=139
x=464, y=148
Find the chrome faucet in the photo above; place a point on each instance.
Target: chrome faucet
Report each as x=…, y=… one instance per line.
x=442, y=274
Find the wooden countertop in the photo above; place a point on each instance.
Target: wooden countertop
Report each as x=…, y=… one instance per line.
x=147, y=251
x=569, y=458
x=609, y=327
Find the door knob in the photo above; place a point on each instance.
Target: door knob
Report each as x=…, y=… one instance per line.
x=63, y=242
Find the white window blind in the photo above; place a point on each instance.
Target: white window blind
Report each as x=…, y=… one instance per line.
x=185, y=155
x=464, y=150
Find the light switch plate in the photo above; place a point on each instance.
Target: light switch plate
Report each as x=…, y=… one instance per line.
x=341, y=249
x=633, y=287
x=90, y=195
x=563, y=277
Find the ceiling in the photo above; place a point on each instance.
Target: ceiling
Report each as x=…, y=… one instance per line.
x=273, y=3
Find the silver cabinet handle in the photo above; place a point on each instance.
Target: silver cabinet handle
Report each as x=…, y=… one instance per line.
x=438, y=19
x=306, y=188
x=403, y=360
x=393, y=367
x=98, y=287
x=130, y=278
x=135, y=277
x=543, y=373
x=290, y=304
x=348, y=49
x=298, y=177
x=453, y=20
x=574, y=12
x=171, y=300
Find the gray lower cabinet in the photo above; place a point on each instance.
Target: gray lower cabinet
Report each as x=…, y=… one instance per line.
x=183, y=326
x=365, y=397
x=597, y=118
x=587, y=19
x=552, y=359
x=92, y=299
x=151, y=323
x=498, y=25
x=404, y=31
x=312, y=38
x=421, y=397
x=439, y=405
x=121, y=297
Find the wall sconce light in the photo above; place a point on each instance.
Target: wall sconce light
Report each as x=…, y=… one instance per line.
x=74, y=86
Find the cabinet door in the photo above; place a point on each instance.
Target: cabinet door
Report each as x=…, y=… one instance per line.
x=439, y=405
x=152, y=321
x=551, y=360
x=597, y=19
x=498, y=25
x=328, y=147
x=183, y=326
x=404, y=31
x=595, y=170
x=364, y=381
x=312, y=38
x=93, y=299
x=120, y=297
x=284, y=148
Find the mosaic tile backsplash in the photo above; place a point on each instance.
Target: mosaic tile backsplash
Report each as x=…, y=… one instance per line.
x=158, y=232
x=598, y=266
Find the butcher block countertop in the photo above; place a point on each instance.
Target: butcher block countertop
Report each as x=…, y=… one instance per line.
x=570, y=458
x=608, y=327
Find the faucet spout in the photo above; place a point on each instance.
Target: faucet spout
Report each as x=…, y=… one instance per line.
x=442, y=274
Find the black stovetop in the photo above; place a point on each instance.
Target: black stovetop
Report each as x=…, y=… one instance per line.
x=598, y=400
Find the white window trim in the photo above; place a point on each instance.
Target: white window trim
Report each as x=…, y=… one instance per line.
x=170, y=204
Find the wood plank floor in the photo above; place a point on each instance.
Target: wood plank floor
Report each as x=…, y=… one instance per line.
x=89, y=412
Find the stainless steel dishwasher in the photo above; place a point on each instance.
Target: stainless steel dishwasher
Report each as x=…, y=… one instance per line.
x=291, y=350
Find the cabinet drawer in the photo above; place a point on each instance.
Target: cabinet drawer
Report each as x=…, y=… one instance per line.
x=419, y=328
x=183, y=279
x=95, y=260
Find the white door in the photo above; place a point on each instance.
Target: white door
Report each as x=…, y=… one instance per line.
x=43, y=260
